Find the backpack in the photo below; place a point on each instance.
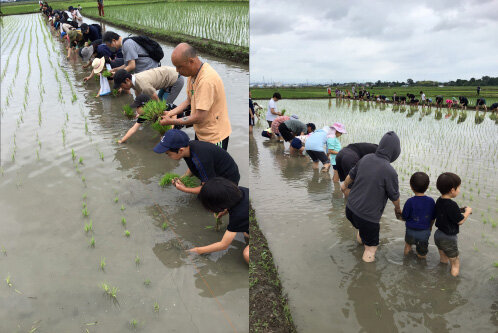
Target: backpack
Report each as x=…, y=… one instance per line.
x=153, y=49
x=99, y=28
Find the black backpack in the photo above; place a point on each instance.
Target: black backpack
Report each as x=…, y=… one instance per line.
x=99, y=28
x=153, y=49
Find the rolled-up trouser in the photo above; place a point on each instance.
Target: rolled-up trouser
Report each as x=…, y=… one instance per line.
x=171, y=93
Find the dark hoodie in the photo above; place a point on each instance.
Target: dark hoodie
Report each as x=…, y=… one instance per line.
x=375, y=180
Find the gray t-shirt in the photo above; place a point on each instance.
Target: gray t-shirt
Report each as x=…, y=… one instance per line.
x=296, y=127
x=132, y=50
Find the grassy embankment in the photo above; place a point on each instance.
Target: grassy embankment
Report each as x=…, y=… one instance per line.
x=490, y=93
x=234, y=53
x=268, y=307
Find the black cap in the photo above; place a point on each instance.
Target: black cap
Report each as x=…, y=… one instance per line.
x=120, y=77
x=140, y=100
x=70, y=8
x=83, y=27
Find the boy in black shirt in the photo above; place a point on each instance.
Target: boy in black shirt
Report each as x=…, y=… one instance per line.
x=204, y=160
x=222, y=196
x=449, y=217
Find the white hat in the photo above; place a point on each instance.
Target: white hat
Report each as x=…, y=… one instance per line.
x=98, y=64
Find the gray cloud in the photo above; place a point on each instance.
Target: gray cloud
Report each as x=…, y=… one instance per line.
x=361, y=40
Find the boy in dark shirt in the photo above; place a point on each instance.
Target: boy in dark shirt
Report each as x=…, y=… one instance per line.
x=204, y=160
x=222, y=196
x=449, y=217
x=418, y=212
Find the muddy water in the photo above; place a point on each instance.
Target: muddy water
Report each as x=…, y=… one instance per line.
x=54, y=272
x=302, y=215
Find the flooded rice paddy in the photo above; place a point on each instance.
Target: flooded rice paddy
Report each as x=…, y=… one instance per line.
x=301, y=212
x=89, y=241
x=220, y=21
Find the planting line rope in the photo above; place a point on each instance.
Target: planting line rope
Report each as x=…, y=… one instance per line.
x=199, y=272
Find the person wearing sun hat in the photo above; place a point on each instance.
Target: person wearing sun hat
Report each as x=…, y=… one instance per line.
x=334, y=146
x=137, y=104
x=97, y=67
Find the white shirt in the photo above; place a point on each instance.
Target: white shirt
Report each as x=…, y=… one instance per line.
x=271, y=105
x=77, y=17
x=423, y=97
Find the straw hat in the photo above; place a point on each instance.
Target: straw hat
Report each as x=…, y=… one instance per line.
x=98, y=64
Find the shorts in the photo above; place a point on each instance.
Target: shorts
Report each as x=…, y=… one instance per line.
x=223, y=144
x=345, y=160
x=269, y=122
x=334, y=167
x=369, y=231
x=318, y=155
x=285, y=132
x=446, y=243
x=419, y=238
x=296, y=143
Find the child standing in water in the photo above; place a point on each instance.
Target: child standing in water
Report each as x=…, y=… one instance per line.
x=419, y=214
x=449, y=218
x=334, y=146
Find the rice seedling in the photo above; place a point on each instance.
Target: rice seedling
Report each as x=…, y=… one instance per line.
x=123, y=221
x=116, y=199
x=156, y=307
x=4, y=251
x=493, y=224
x=137, y=260
x=114, y=92
x=127, y=233
x=147, y=283
x=495, y=264
x=122, y=207
x=89, y=226
x=106, y=73
x=164, y=225
x=152, y=112
x=283, y=111
x=167, y=178
x=37, y=155
x=73, y=155
x=102, y=263
x=133, y=323
x=110, y=291
x=128, y=111
x=188, y=181
x=80, y=161
x=92, y=242
x=84, y=211
x=7, y=279
x=101, y=154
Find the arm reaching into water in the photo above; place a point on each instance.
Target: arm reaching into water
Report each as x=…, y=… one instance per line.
x=130, y=132
x=218, y=246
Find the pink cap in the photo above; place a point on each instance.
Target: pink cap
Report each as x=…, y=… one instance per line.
x=339, y=128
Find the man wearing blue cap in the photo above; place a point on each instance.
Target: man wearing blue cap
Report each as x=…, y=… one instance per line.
x=204, y=160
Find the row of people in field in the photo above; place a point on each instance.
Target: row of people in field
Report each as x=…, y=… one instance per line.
x=368, y=180
x=134, y=65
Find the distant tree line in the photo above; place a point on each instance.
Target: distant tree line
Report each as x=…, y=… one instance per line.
x=484, y=81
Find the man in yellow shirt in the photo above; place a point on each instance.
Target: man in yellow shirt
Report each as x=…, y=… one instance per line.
x=205, y=95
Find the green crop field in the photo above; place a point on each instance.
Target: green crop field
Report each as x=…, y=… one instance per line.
x=219, y=21
x=26, y=7
x=490, y=93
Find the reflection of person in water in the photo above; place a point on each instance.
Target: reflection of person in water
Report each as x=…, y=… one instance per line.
x=222, y=197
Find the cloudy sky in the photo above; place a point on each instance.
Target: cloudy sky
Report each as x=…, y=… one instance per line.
x=367, y=40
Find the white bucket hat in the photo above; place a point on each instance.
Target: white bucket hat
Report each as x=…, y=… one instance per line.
x=98, y=64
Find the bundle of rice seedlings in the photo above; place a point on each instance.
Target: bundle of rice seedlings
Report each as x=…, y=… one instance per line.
x=188, y=181
x=128, y=111
x=152, y=111
x=106, y=73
